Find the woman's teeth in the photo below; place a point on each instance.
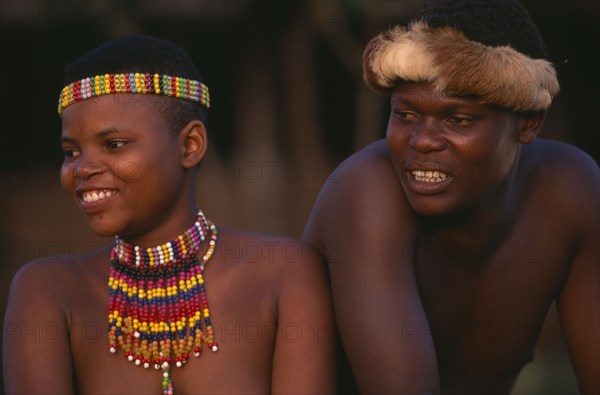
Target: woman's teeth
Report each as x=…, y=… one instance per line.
x=94, y=196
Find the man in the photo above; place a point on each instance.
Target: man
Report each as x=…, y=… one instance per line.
x=448, y=241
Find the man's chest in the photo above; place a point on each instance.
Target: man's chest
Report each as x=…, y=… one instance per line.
x=485, y=315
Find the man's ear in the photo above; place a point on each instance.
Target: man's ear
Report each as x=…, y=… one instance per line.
x=193, y=143
x=529, y=125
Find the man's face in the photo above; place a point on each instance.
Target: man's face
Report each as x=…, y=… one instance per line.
x=121, y=164
x=450, y=153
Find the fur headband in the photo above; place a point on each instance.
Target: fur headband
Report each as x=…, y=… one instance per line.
x=458, y=66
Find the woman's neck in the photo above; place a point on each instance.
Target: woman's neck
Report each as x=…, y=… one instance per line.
x=165, y=229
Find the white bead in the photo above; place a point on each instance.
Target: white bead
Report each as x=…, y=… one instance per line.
x=178, y=364
x=130, y=358
x=196, y=354
x=138, y=362
x=113, y=350
x=136, y=334
x=165, y=365
x=215, y=348
x=156, y=366
x=146, y=365
x=166, y=374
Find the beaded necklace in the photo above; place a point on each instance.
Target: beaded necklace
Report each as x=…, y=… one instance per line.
x=158, y=301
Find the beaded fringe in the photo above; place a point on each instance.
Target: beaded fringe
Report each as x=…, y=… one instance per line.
x=158, y=301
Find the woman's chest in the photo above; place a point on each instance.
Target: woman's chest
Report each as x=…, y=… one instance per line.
x=244, y=329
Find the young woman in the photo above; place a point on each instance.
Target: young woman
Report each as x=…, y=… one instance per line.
x=133, y=133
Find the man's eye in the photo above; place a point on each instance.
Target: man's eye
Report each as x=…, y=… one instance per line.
x=404, y=114
x=113, y=145
x=460, y=120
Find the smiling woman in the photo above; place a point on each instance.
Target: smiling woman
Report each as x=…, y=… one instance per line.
x=134, y=136
x=101, y=139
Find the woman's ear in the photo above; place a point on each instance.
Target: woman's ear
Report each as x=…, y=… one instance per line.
x=193, y=143
x=530, y=124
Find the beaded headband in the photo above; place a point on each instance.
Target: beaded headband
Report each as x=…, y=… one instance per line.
x=144, y=83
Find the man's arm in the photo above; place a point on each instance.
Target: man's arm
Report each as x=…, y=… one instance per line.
x=304, y=357
x=579, y=300
x=36, y=352
x=364, y=226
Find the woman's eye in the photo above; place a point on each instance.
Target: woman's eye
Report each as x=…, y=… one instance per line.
x=70, y=153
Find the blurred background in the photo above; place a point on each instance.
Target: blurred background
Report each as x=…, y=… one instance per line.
x=288, y=105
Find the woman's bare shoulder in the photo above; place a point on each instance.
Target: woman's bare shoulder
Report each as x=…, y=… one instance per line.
x=269, y=251
x=55, y=277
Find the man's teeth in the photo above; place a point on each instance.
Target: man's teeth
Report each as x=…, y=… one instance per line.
x=96, y=195
x=429, y=176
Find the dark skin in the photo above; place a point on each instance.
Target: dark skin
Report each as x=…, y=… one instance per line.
x=453, y=273
x=269, y=298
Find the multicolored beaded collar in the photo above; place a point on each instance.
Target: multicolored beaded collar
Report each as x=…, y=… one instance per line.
x=158, y=301
x=144, y=83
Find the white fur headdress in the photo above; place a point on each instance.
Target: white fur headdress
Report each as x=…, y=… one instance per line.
x=456, y=65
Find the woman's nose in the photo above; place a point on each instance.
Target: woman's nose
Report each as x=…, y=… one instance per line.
x=86, y=169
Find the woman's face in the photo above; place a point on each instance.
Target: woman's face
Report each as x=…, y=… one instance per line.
x=122, y=165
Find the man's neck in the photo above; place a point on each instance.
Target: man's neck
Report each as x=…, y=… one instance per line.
x=470, y=238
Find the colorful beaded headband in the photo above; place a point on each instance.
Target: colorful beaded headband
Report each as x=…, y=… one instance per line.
x=145, y=83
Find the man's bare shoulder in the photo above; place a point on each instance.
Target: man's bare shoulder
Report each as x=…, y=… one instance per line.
x=365, y=185
x=370, y=165
x=565, y=188
x=364, y=179
x=564, y=172
x=562, y=156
